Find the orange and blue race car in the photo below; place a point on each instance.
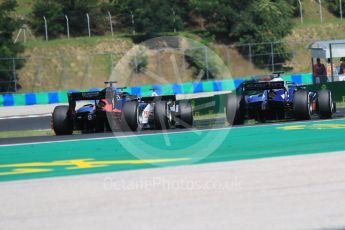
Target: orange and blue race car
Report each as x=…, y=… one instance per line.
x=113, y=109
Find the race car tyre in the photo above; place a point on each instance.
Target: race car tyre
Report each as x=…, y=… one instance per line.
x=186, y=115
x=325, y=104
x=129, y=116
x=302, y=107
x=61, y=123
x=235, y=109
x=162, y=117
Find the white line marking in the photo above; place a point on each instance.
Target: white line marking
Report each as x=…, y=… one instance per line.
x=26, y=116
x=170, y=133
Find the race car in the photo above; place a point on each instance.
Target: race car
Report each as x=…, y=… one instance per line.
x=114, y=109
x=272, y=98
x=156, y=112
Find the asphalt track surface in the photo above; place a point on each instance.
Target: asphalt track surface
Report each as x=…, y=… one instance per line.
x=274, y=176
x=26, y=123
x=43, y=122
x=40, y=123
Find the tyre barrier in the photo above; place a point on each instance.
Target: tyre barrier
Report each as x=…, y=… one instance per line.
x=18, y=99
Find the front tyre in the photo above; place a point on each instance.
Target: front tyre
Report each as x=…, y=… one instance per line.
x=325, y=104
x=61, y=122
x=129, y=116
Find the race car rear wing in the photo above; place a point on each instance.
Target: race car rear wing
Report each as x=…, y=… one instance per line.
x=257, y=86
x=80, y=96
x=106, y=93
x=93, y=95
x=158, y=98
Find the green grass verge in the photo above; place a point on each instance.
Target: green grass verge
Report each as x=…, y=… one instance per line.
x=74, y=41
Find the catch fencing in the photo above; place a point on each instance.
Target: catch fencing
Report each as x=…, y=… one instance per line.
x=159, y=66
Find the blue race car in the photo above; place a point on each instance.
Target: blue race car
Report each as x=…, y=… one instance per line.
x=114, y=109
x=275, y=99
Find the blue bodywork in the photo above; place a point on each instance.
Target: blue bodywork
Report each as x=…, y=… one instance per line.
x=269, y=99
x=86, y=109
x=90, y=108
x=278, y=95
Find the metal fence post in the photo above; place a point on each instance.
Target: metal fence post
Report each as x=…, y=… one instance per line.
x=250, y=52
x=136, y=63
x=331, y=57
x=133, y=25
x=300, y=10
x=341, y=9
x=37, y=76
x=61, y=79
x=174, y=19
x=272, y=56
x=206, y=63
x=320, y=6
x=111, y=24
x=111, y=64
x=158, y=62
x=228, y=58
x=24, y=33
x=88, y=70
x=14, y=74
x=45, y=27
x=183, y=62
x=88, y=24
x=67, y=26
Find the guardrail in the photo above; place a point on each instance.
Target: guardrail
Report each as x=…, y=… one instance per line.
x=18, y=99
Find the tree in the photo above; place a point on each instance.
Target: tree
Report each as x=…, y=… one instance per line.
x=221, y=16
x=8, y=50
x=266, y=21
x=295, y=7
x=249, y=21
x=151, y=16
x=53, y=12
x=76, y=10
x=334, y=7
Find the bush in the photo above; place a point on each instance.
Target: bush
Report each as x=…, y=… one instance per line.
x=8, y=49
x=139, y=62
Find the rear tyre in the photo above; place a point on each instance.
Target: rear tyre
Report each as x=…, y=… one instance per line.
x=325, y=104
x=235, y=109
x=302, y=107
x=129, y=116
x=61, y=122
x=186, y=114
x=161, y=115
